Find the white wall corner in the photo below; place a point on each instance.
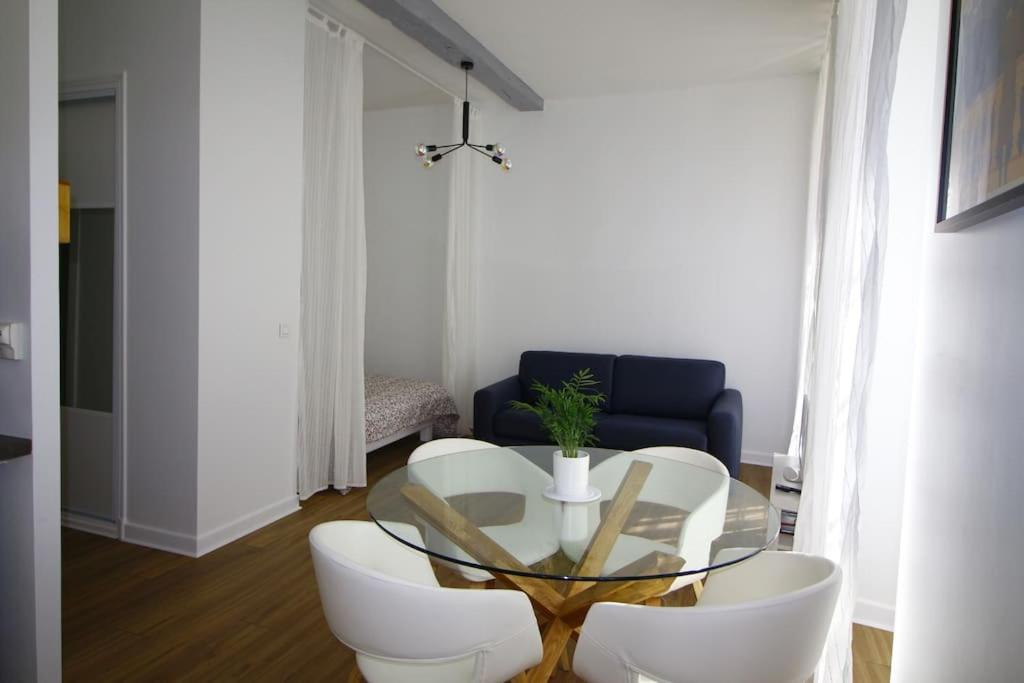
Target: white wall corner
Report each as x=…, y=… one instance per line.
x=160, y=539
x=246, y=524
x=88, y=524
x=874, y=614
x=762, y=458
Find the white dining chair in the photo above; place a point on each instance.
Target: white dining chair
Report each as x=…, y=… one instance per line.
x=707, y=506
x=432, y=449
x=763, y=620
x=493, y=469
x=381, y=599
x=701, y=489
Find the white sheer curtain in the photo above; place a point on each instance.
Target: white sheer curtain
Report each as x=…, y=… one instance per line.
x=847, y=215
x=331, y=430
x=458, y=365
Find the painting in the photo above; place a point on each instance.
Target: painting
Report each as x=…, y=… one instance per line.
x=983, y=138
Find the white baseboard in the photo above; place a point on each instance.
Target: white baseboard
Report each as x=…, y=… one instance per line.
x=192, y=546
x=160, y=539
x=874, y=614
x=222, y=535
x=756, y=458
x=88, y=524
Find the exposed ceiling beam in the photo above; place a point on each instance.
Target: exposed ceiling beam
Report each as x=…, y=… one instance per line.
x=429, y=24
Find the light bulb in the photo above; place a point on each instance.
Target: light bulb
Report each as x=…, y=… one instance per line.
x=421, y=150
x=499, y=149
x=506, y=165
x=428, y=163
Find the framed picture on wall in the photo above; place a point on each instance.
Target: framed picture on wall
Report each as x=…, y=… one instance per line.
x=983, y=137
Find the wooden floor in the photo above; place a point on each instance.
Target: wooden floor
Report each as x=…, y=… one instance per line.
x=250, y=609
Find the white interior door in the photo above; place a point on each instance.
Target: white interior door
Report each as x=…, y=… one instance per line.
x=90, y=313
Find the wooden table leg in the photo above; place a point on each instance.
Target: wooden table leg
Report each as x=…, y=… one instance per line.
x=556, y=635
x=558, y=632
x=567, y=610
x=479, y=545
x=608, y=530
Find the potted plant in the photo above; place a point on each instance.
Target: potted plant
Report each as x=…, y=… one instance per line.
x=567, y=415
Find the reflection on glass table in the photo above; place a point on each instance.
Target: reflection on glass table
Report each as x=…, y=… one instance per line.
x=688, y=510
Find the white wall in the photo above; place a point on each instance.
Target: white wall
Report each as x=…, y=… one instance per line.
x=30, y=647
x=961, y=565
x=250, y=241
x=668, y=224
x=156, y=44
x=214, y=182
x=406, y=224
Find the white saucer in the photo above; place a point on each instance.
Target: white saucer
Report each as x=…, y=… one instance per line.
x=592, y=495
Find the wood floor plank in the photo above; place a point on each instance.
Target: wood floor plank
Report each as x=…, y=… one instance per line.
x=250, y=611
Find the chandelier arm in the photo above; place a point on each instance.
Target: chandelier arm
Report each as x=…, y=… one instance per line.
x=446, y=153
x=477, y=149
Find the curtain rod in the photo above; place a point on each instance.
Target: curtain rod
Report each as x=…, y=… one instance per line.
x=315, y=11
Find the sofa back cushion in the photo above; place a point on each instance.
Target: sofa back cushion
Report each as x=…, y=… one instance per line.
x=554, y=367
x=666, y=387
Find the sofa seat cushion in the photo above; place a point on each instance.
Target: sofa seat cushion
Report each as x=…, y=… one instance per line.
x=666, y=387
x=516, y=424
x=630, y=432
x=554, y=367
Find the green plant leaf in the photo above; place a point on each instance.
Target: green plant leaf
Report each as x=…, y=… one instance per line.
x=567, y=414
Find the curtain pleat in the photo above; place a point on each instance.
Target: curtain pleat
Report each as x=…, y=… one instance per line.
x=847, y=226
x=458, y=365
x=331, y=429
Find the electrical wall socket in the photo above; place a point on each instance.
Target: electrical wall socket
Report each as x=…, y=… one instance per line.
x=12, y=346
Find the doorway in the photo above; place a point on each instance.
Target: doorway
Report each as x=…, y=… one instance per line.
x=92, y=308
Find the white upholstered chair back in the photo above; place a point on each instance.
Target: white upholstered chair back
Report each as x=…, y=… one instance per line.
x=382, y=600
x=702, y=490
x=707, y=508
x=764, y=619
x=432, y=449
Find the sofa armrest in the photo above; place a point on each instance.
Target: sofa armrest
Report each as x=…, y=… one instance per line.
x=725, y=429
x=488, y=401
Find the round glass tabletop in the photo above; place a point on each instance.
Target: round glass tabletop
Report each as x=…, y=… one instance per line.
x=656, y=517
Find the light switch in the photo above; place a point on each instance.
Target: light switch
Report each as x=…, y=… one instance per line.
x=12, y=346
x=283, y=331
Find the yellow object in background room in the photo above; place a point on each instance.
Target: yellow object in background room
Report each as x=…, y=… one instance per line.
x=64, y=212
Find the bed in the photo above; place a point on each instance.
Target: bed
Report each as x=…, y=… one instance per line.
x=397, y=407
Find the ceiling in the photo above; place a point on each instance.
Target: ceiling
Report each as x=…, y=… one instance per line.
x=388, y=85
x=580, y=48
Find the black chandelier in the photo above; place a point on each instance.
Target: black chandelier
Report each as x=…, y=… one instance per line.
x=495, y=152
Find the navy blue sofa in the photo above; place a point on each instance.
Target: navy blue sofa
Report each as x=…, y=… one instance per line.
x=650, y=402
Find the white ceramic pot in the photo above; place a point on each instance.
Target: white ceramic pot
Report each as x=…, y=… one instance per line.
x=572, y=475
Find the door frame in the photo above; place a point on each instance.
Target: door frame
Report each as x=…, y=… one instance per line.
x=76, y=90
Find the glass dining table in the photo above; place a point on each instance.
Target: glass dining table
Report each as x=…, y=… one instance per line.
x=655, y=524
